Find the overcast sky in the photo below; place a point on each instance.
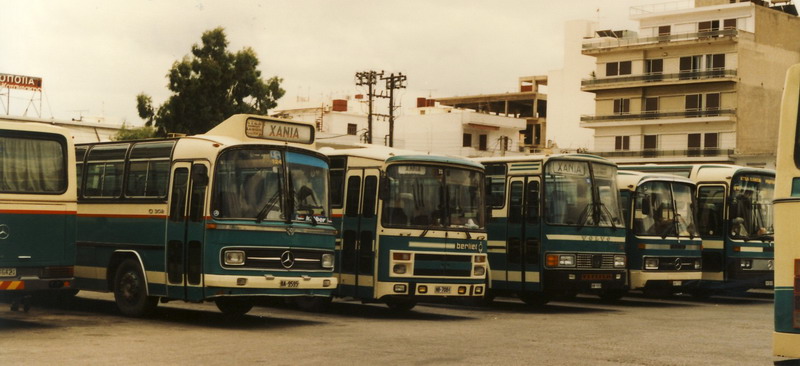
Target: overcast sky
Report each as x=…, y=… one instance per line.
x=96, y=56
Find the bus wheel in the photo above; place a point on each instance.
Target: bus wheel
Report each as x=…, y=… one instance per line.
x=534, y=298
x=314, y=304
x=233, y=306
x=612, y=295
x=401, y=305
x=130, y=290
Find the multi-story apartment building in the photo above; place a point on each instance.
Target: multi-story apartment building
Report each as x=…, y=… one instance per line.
x=697, y=82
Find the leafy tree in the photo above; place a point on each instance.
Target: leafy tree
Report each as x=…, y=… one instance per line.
x=209, y=86
x=139, y=133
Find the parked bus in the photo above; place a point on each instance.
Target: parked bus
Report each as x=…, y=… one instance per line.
x=735, y=221
x=236, y=213
x=37, y=210
x=411, y=226
x=556, y=227
x=663, y=245
x=786, y=338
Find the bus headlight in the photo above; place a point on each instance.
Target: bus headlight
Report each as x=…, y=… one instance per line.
x=327, y=260
x=619, y=261
x=698, y=264
x=234, y=257
x=479, y=271
x=561, y=260
x=746, y=263
x=399, y=269
x=651, y=263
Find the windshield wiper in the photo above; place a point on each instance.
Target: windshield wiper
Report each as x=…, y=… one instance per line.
x=610, y=216
x=584, y=216
x=268, y=206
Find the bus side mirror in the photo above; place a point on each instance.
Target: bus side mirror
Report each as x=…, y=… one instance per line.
x=646, y=205
x=383, y=190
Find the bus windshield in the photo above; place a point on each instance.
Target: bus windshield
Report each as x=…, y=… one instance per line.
x=569, y=197
x=751, y=206
x=32, y=165
x=250, y=184
x=309, y=187
x=428, y=196
x=664, y=209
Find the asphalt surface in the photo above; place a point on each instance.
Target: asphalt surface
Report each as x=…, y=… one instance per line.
x=634, y=331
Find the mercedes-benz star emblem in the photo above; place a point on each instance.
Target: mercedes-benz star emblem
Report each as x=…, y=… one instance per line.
x=4, y=231
x=287, y=259
x=678, y=264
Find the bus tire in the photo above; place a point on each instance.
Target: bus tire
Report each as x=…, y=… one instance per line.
x=130, y=290
x=534, y=298
x=401, y=305
x=234, y=306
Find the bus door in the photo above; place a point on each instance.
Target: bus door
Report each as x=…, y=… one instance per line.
x=711, y=225
x=358, y=233
x=186, y=231
x=523, y=239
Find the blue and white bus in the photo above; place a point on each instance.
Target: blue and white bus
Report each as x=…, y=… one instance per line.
x=236, y=213
x=556, y=227
x=412, y=226
x=37, y=210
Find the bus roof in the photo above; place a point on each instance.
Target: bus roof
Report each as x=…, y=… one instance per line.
x=700, y=172
x=629, y=179
x=35, y=127
x=393, y=155
x=518, y=158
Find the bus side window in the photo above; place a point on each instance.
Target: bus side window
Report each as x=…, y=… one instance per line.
x=353, y=190
x=533, y=202
x=515, y=203
x=710, y=203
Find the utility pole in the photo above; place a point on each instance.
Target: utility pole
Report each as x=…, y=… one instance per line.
x=393, y=82
x=369, y=78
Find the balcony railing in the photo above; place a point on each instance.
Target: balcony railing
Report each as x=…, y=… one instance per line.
x=633, y=41
x=648, y=153
x=685, y=75
x=709, y=112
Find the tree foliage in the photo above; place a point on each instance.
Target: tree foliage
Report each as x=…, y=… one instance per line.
x=209, y=86
x=140, y=133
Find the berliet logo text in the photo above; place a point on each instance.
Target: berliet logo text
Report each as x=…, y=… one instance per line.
x=467, y=246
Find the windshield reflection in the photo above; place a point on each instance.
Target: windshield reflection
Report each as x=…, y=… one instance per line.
x=751, y=207
x=570, y=198
x=430, y=196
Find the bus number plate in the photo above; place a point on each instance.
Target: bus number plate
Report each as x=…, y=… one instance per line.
x=442, y=290
x=8, y=272
x=769, y=283
x=677, y=283
x=290, y=284
x=596, y=286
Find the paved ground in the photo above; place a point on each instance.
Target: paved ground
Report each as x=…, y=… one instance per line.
x=635, y=331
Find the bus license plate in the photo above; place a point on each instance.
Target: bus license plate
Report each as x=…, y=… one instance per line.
x=766, y=283
x=596, y=286
x=8, y=272
x=442, y=290
x=290, y=283
x=677, y=283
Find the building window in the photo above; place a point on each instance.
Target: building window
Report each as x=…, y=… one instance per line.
x=653, y=69
x=715, y=64
x=711, y=140
x=729, y=24
x=650, y=106
x=650, y=143
x=482, y=142
x=618, y=68
x=622, y=143
x=689, y=66
x=708, y=27
x=664, y=32
x=694, y=144
x=467, y=141
x=352, y=129
x=622, y=106
x=712, y=104
x=693, y=105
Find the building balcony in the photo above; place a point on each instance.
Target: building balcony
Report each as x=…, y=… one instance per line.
x=659, y=117
x=656, y=79
x=706, y=154
x=604, y=43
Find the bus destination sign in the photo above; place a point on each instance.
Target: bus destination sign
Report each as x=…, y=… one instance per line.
x=279, y=130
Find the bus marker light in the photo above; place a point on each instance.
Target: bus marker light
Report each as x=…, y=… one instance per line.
x=737, y=249
x=480, y=259
x=572, y=276
x=269, y=277
x=306, y=277
x=401, y=256
x=618, y=276
x=400, y=288
x=422, y=289
x=462, y=290
x=746, y=263
x=326, y=283
x=399, y=268
x=241, y=281
x=211, y=226
x=698, y=264
x=478, y=290
x=552, y=260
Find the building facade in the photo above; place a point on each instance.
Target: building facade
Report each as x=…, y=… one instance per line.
x=695, y=83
